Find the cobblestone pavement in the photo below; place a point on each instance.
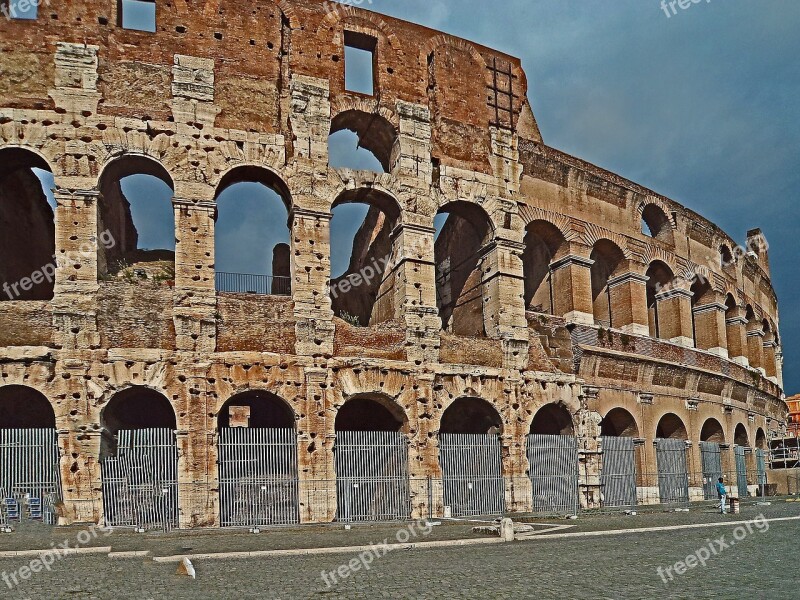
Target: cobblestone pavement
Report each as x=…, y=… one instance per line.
x=762, y=565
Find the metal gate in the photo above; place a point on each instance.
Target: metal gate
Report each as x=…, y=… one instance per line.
x=472, y=474
x=673, y=477
x=258, y=477
x=618, y=475
x=372, y=476
x=553, y=461
x=30, y=479
x=739, y=453
x=140, y=483
x=711, y=462
x=761, y=467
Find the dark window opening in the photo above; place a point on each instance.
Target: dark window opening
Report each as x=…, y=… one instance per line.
x=712, y=432
x=138, y=15
x=135, y=408
x=257, y=410
x=471, y=416
x=619, y=423
x=373, y=413
x=22, y=407
x=363, y=142
x=553, y=419
x=670, y=427
x=359, y=63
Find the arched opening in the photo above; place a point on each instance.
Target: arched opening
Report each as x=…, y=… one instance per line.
x=257, y=461
x=463, y=236
x=471, y=458
x=552, y=419
x=256, y=409
x=30, y=478
x=27, y=226
x=22, y=407
x=136, y=221
x=252, y=233
x=702, y=296
x=740, y=436
x=370, y=413
x=362, y=265
x=543, y=242
x=671, y=427
x=371, y=456
x=363, y=141
x=619, y=423
x=608, y=261
x=656, y=224
x=139, y=460
x=726, y=258
x=761, y=439
x=712, y=432
x=755, y=339
x=471, y=416
x=660, y=277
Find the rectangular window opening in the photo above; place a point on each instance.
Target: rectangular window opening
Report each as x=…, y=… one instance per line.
x=359, y=63
x=138, y=15
x=21, y=10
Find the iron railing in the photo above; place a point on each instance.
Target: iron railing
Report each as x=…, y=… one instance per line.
x=247, y=283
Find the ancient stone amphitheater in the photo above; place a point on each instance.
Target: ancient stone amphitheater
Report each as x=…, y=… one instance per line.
x=567, y=339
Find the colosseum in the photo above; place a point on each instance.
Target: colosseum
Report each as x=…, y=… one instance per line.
x=518, y=331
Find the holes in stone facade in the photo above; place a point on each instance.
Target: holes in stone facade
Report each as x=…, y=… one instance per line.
x=138, y=15
x=544, y=243
x=619, y=423
x=252, y=233
x=371, y=412
x=553, y=419
x=472, y=416
x=22, y=407
x=256, y=409
x=363, y=142
x=360, y=63
x=462, y=243
x=136, y=222
x=27, y=226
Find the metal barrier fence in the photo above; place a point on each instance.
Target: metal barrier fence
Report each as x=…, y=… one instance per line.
x=553, y=463
x=471, y=474
x=29, y=474
x=246, y=283
x=618, y=473
x=258, y=477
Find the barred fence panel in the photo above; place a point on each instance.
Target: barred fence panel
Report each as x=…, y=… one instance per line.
x=711, y=462
x=618, y=475
x=761, y=468
x=372, y=476
x=472, y=474
x=673, y=476
x=258, y=477
x=140, y=483
x=739, y=453
x=30, y=477
x=554, y=473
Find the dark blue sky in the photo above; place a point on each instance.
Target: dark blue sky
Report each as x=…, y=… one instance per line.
x=701, y=106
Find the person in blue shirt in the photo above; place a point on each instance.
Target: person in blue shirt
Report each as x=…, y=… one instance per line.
x=723, y=496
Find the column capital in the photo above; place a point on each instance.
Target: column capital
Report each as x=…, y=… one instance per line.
x=196, y=204
x=310, y=213
x=674, y=293
x=569, y=260
x=631, y=277
x=710, y=308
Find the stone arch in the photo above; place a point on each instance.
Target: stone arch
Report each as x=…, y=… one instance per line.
x=257, y=409
x=761, y=439
x=712, y=431
x=609, y=262
x=134, y=408
x=371, y=412
x=253, y=232
x=740, y=436
x=660, y=277
x=656, y=223
x=671, y=426
x=375, y=132
x=115, y=219
x=552, y=419
x=544, y=243
x=472, y=415
x=727, y=259
x=460, y=250
x=24, y=407
x=27, y=226
x=619, y=422
x=702, y=295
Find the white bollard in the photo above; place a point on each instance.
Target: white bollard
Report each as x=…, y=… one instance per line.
x=507, y=530
x=186, y=568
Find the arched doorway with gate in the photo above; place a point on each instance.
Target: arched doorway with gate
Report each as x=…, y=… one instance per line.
x=552, y=450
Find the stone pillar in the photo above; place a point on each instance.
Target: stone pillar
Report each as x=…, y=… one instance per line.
x=415, y=291
x=736, y=334
x=415, y=142
x=311, y=272
x=423, y=453
x=755, y=346
x=675, y=316
x=710, y=328
x=572, y=286
x=74, y=301
x=195, y=303
x=589, y=449
x=629, y=303
x=315, y=440
x=504, y=301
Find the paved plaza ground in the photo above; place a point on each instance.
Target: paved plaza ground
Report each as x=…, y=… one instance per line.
x=761, y=563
